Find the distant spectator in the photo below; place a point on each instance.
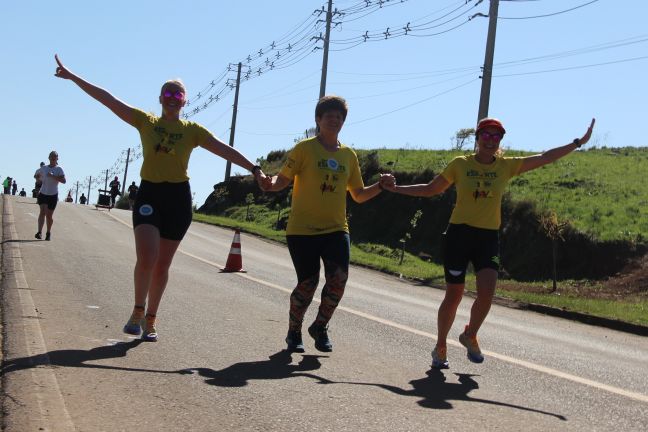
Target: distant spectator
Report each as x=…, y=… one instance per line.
x=39, y=180
x=22, y=193
x=14, y=188
x=83, y=199
x=132, y=194
x=115, y=185
x=6, y=185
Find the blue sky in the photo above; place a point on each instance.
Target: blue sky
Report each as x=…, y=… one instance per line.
x=552, y=75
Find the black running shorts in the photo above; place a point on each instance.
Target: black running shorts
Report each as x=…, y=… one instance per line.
x=166, y=206
x=50, y=200
x=463, y=244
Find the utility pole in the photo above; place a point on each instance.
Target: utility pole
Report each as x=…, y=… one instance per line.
x=76, y=192
x=106, y=183
x=125, y=172
x=487, y=73
x=89, y=184
x=228, y=167
x=329, y=18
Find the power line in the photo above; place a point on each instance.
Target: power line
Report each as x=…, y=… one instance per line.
x=574, y=67
x=415, y=103
x=550, y=14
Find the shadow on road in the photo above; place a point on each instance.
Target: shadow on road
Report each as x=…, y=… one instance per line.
x=435, y=392
x=77, y=358
x=279, y=366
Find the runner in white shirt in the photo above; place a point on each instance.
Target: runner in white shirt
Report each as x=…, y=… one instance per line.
x=50, y=175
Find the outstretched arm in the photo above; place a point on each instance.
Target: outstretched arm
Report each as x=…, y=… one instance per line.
x=363, y=194
x=438, y=185
x=219, y=148
x=122, y=110
x=536, y=161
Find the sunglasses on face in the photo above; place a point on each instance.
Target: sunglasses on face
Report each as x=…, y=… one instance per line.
x=176, y=94
x=497, y=136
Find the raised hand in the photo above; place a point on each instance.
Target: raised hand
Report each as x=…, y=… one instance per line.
x=588, y=134
x=61, y=71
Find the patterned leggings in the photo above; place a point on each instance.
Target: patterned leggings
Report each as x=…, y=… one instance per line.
x=306, y=252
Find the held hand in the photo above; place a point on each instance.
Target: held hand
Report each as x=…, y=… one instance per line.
x=61, y=71
x=387, y=182
x=263, y=181
x=588, y=134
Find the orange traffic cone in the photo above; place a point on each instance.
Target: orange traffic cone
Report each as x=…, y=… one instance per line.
x=234, y=259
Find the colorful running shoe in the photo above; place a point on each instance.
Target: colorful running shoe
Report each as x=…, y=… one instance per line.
x=471, y=344
x=134, y=324
x=320, y=334
x=294, y=341
x=150, y=333
x=440, y=357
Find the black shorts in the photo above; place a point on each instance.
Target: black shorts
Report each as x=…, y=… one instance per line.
x=50, y=200
x=307, y=250
x=166, y=206
x=463, y=244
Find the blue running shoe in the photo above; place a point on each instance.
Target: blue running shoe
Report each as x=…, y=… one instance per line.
x=440, y=358
x=134, y=324
x=471, y=344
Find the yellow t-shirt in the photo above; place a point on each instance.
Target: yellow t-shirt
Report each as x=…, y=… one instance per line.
x=479, y=189
x=321, y=180
x=166, y=146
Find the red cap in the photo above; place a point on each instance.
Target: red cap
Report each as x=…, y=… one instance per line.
x=488, y=121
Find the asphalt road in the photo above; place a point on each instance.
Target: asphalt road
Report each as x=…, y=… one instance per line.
x=220, y=364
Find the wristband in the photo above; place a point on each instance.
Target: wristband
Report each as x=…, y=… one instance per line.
x=255, y=168
x=577, y=142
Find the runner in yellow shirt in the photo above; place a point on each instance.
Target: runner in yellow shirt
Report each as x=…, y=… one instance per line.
x=322, y=170
x=162, y=212
x=472, y=234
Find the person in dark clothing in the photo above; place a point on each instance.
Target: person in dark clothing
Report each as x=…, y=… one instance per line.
x=132, y=194
x=115, y=185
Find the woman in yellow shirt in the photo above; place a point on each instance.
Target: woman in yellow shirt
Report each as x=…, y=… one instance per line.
x=162, y=212
x=322, y=170
x=472, y=234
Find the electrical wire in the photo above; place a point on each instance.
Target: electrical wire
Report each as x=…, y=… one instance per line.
x=551, y=14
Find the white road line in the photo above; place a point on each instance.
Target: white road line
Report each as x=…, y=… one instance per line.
x=523, y=363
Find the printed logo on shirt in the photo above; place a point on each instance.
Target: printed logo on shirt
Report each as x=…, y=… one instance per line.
x=167, y=141
x=483, y=175
x=329, y=183
x=331, y=164
x=146, y=210
x=481, y=193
